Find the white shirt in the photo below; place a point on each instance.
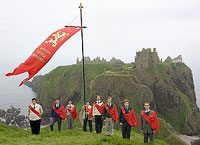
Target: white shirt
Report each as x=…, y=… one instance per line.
x=70, y=107
x=95, y=110
x=32, y=115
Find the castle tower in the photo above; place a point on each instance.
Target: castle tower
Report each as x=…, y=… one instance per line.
x=146, y=58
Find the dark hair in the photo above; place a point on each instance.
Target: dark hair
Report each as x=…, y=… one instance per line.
x=146, y=103
x=34, y=99
x=126, y=100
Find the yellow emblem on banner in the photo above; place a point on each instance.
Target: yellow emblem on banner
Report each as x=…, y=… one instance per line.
x=59, y=36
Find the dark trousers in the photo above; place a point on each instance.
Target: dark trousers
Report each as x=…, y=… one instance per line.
x=126, y=131
x=98, y=123
x=148, y=135
x=35, y=126
x=85, y=124
x=56, y=119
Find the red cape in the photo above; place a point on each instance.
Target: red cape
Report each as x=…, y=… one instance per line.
x=89, y=111
x=61, y=112
x=73, y=112
x=130, y=117
x=152, y=120
x=99, y=108
x=112, y=112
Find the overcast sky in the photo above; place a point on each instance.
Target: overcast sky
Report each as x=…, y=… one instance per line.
x=115, y=28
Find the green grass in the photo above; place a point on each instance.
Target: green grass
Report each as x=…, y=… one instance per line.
x=14, y=136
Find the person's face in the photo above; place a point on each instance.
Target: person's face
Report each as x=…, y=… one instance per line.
x=109, y=100
x=98, y=97
x=33, y=102
x=70, y=102
x=87, y=103
x=126, y=104
x=57, y=101
x=146, y=106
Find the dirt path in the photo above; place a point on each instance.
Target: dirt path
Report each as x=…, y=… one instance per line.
x=188, y=139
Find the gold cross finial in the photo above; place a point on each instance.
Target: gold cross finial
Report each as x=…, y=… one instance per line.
x=81, y=6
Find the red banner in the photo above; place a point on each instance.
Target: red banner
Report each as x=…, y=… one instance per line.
x=40, y=57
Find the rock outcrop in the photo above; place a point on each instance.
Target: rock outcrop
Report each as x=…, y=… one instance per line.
x=12, y=116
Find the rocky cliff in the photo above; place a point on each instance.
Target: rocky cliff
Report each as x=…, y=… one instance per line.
x=169, y=87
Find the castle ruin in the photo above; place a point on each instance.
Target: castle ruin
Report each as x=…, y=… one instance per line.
x=98, y=60
x=178, y=59
x=146, y=58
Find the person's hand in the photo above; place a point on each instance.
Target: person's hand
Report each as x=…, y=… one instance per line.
x=154, y=131
x=120, y=123
x=104, y=120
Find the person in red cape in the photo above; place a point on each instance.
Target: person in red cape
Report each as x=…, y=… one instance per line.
x=127, y=119
x=57, y=114
x=35, y=112
x=71, y=114
x=110, y=116
x=97, y=111
x=86, y=115
x=149, y=123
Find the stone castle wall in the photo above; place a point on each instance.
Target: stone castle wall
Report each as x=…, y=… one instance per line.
x=146, y=58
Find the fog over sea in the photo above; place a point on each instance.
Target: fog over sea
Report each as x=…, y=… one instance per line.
x=12, y=95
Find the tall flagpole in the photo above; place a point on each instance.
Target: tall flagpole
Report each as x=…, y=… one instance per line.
x=83, y=57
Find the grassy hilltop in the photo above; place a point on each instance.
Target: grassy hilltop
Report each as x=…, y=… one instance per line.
x=15, y=136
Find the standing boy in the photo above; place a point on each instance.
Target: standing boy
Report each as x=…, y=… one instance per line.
x=57, y=114
x=98, y=107
x=110, y=116
x=127, y=119
x=148, y=123
x=34, y=112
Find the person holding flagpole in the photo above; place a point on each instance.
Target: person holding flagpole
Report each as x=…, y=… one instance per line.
x=127, y=119
x=86, y=115
x=57, y=114
x=34, y=113
x=72, y=115
x=98, y=107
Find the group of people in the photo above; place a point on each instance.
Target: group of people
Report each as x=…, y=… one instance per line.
x=100, y=113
